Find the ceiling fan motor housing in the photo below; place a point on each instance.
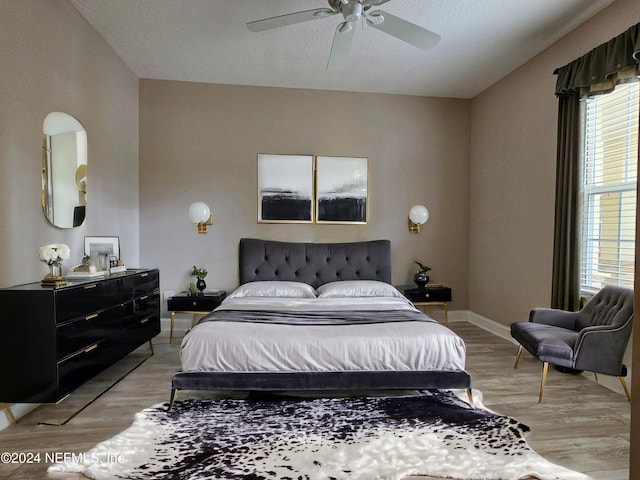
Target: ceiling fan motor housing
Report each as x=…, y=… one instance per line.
x=352, y=11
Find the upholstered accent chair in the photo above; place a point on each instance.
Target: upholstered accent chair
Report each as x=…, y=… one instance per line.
x=593, y=339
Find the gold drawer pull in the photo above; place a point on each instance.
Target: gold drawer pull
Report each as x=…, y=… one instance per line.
x=91, y=348
x=142, y=275
x=194, y=304
x=91, y=317
x=144, y=297
x=144, y=320
x=426, y=295
x=93, y=285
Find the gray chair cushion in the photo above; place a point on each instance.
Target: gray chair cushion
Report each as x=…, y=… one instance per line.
x=548, y=343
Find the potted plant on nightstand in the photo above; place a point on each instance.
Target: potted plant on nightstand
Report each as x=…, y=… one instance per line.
x=199, y=273
x=421, y=278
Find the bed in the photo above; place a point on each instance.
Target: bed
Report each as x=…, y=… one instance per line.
x=318, y=317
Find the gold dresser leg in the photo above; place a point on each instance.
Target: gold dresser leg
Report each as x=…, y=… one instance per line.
x=6, y=406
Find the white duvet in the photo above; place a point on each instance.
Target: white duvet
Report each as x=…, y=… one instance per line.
x=265, y=347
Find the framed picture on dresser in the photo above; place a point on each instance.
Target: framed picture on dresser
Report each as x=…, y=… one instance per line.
x=102, y=246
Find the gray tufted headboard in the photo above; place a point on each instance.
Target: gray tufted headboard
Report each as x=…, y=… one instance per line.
x=314, y=263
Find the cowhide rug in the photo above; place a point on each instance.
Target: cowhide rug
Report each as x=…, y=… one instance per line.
x=435, y=433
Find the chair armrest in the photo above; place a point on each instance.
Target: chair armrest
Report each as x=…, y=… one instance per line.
x=600, y=348
x=555, y=317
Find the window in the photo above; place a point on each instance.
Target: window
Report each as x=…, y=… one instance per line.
x=610, y=169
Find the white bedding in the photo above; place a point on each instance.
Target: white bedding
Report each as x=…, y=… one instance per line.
x=267, y=347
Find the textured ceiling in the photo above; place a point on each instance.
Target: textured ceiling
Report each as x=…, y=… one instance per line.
x=208, y=41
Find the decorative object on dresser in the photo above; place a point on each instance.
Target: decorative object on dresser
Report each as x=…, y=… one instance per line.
x=53, y=255
x=200, y=304
x=432, y=294
x=58, y=339
x=432, y=433
x=100, y=250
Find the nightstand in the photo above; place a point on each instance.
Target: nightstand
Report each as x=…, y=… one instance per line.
x=430, y=295
x=199, y=304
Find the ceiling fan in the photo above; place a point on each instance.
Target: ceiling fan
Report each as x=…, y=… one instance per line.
x=352, y=11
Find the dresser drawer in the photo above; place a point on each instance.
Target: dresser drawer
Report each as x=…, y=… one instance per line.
x=84, y=299
x=140, y=321
x=83, y=332
x=141, y=310
x=87, y=363
x=141, y=283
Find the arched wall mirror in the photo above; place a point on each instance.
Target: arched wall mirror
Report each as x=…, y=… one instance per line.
x=64, y=170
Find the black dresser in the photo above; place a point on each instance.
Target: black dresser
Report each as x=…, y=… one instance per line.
x=54, y=340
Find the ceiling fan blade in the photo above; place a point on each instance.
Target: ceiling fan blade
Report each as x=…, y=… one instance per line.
x=341, y=46
x=289, y=19
x=403, y=30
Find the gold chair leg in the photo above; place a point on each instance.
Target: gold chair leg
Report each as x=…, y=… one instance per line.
x=545, y=370
x=624, y=385
x=518, y=357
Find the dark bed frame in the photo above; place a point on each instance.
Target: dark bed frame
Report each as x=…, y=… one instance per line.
x=317, y=264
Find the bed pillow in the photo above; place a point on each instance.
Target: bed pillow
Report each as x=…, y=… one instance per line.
x=357, y=288
x=274, y=288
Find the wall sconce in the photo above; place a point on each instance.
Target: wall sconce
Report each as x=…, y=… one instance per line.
x=418, y=215
x=200, y=214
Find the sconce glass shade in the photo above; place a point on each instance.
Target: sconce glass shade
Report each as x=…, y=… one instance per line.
x=418, y=215
x=200, y=214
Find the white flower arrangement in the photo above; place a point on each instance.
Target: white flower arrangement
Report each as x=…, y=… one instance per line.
x=54, y=253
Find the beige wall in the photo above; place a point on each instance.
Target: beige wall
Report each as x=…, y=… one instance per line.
x=52, y=60
x=513, y=155
x=512, y=186
x=200, y=142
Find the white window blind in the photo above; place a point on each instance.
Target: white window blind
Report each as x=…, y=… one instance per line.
x=610, y=171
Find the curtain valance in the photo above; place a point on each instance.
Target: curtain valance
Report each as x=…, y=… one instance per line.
x=598, y=70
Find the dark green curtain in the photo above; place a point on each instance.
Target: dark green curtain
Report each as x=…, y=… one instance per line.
x=596, y=72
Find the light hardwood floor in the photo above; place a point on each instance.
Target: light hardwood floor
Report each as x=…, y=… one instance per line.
x=581, y=425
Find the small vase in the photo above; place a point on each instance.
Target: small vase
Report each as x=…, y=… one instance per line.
x=200, y=285
x=421, y=279
x=55, y=273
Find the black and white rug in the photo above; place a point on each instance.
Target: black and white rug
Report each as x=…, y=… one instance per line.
x=435, y=433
